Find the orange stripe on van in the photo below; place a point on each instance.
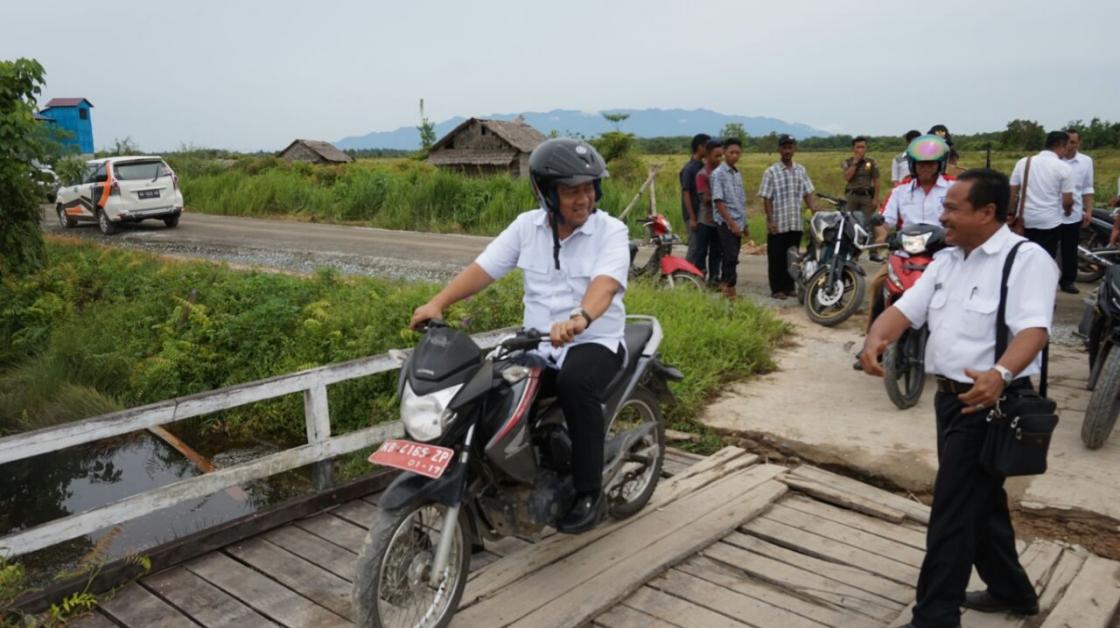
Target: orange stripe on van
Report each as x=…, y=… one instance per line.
x=104, y=200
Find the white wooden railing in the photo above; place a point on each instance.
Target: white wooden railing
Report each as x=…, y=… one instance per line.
x=320, y=444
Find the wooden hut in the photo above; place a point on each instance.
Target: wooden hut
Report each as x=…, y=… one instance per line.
x=314, y=151
x=479, y=146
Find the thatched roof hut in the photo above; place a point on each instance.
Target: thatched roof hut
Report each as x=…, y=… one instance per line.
x=315, y=152
x=479, y=146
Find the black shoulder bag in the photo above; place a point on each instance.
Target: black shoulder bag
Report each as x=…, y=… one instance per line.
x=1020, y=426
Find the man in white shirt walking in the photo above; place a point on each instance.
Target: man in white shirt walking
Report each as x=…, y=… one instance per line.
x=1048, y=194
x=1082, y=167
x=958, y=297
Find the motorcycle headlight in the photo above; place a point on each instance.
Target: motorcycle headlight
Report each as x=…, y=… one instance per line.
x=425, y=417
x=915, y=244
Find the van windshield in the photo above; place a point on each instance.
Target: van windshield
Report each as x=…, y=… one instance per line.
x=141, y=170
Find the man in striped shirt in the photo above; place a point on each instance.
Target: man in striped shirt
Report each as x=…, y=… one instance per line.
x=785, y=185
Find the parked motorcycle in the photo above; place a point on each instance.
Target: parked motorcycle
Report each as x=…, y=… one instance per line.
x=489, y=457
x=830, y=282
x=671, y=270
x=904, y=361
x=1094, y=237
x=1101, y=326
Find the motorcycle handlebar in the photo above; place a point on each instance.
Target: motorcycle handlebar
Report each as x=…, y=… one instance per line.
x=524, y=340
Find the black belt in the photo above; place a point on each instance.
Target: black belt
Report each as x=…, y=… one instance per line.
x=863, y=192
x=947, y=385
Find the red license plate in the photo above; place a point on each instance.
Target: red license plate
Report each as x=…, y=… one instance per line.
x=428, y=460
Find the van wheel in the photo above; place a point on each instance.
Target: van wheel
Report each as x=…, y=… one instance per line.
x=171, y=221
x=65, y=221
x=106, y=226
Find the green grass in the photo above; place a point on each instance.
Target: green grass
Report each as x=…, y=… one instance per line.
x=100, y=329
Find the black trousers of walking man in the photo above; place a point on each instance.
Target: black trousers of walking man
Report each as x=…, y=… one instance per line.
x=777, y=245
x=969, y=524
x=1068, y=239
x=1046, y=238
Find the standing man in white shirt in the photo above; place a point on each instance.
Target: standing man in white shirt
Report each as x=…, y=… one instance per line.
x=575, y=260
x=958, y=296
x=1082, y=167
x=900, y=165
x=1049, y=193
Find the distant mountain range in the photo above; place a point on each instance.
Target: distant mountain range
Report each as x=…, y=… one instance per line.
x=642, y=122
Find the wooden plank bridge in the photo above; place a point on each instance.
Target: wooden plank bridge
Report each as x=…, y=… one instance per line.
x=726, y=540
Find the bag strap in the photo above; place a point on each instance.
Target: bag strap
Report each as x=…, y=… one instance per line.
x=1023, y=190
x=1002, y=331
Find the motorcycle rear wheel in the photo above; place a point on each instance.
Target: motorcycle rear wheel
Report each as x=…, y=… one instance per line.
x=853, y=289
x=905, y=369
x=1089, y=272
x=681, y=280
x=391, y=579
x=1104, y=404
x=632, y=494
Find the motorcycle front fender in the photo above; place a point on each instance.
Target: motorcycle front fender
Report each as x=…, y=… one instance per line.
x=855, y=267
x=671, y=264
x=412, y=488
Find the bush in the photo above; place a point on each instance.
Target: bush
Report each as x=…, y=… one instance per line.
x=98, y=329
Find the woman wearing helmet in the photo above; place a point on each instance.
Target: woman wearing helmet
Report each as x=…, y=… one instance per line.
x=575, y=261
x=915, y=201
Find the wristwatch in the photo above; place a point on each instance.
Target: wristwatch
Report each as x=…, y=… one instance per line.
x=579, y=311
x=1006, y=374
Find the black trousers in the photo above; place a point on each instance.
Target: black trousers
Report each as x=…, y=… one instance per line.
x=729, y=244
x=707, y=255
x=581, y=386
x=1046, y=238
x=1067, y=239
x=969, y=524
x=778, y=261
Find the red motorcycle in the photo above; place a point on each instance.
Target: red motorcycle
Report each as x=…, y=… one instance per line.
x=904, y=361
x=673, y=271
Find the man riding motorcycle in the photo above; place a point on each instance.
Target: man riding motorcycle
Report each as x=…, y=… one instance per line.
x=575, y=261
x=915, y=201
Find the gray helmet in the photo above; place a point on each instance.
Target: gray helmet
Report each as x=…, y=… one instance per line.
x=566, y=161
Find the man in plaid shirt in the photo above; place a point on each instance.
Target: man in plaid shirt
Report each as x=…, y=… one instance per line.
x=785, y=185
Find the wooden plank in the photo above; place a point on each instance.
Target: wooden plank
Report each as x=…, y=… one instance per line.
x=336, y=530
x=315, y=550
x=855, y=537
x=1092, y=598
x=135, y=506
x=1040, y=560
x=1067, y=569
x=359, y=512
x=829, y=549
x=682, y=455
x=270, y=598
x=804, y=583
x=670, y=467
x=317, y=414
x=914, y=510
x=622, y=616
x=91, y=620
x=36, y=442
x=678, y=611
x=855, y=576
x=506, y=546
x=309, y=580
x=136, y=607
x=481, y=559
x=599, y=592
x=845, y=499
x=851, y=518
x=728, y=602
x=601, y=573
x=740, y=582
x=202, y=601
x=492, y=578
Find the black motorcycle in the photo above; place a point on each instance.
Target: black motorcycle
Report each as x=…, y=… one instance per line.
x=1101, y=327
x=1094, y=237
x=830, y=282
x=488, y=458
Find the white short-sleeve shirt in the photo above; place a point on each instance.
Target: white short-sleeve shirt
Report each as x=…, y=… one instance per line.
x=958, y=297
x=1082, y=167
x=1049, y=178
x=601, y=246
x=910, y=205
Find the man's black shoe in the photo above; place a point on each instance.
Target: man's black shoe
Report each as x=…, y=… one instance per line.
x=1069, y=289
x=987, y=603
x=584, y=515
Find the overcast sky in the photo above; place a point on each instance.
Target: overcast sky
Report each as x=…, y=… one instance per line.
x=254, y=75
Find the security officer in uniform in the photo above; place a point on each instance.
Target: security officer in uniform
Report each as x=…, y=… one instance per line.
x=862, y=174
x=958, y=296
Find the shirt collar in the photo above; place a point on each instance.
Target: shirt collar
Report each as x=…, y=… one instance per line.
x=941, y=182
x=996, y=242
x=587, y=227
x=1075, y=159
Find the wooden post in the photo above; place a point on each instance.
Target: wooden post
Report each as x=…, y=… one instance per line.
x=638, y=195
x=652, y=191
x=317, y=414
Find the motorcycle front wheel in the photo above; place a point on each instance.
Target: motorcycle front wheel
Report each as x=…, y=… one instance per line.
x=684, y=280
x=1104, y=403
x=905, y=368
x=642, y=470
x=1089, y=271
x=392, y=585
x=830, y=305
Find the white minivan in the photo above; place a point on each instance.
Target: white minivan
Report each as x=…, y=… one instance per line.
x=117, y=190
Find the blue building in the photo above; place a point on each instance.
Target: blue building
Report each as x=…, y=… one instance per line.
x=74, y=116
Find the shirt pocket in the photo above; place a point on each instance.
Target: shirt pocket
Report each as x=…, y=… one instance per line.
x=537, y=274
x=578, y=275
x=978, y=321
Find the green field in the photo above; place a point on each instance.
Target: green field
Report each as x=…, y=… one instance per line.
x=407, y=194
